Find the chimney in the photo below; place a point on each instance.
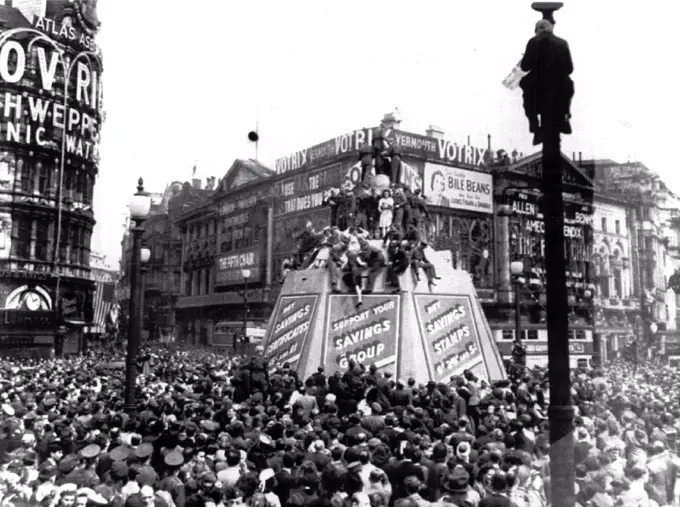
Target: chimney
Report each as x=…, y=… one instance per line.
x=580, y=160
x=573, y=156
x=196, y=183
x=434, y=131
x=390, y=121
x=468, y=141
x=488, y=142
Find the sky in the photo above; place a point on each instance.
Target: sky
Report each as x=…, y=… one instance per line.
x=185, y=81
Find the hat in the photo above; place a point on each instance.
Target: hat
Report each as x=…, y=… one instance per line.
x=120, y=453
x=376, y=408
x=67, y=465
x=174, y=459
x=266, y=474
x=457, y=481
x=91, y=451
x=144, y=450
x=7, y=409
x=119, y=470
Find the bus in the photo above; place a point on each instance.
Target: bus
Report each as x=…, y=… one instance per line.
x=228, y=337
x=535, y=339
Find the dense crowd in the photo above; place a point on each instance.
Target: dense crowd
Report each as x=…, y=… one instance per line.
x=214, y=431
x=396, y=215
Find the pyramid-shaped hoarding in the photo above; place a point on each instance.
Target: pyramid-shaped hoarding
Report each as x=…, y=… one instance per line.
x=420, y=333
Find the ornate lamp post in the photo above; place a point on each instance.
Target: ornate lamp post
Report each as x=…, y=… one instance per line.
x=140, y=206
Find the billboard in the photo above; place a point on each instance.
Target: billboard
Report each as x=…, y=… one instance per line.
x=449, y=333
x=368, y=335
x=289, y=330
x=452, y=187
x=230, y=266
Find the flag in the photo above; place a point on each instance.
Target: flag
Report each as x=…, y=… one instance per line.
x=108, y=292
x=103, y=300
x=511, y=82
x=193, y=173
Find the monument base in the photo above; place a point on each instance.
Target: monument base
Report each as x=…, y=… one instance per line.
x=428, y=333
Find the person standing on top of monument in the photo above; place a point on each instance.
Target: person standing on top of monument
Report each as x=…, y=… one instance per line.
x=332, y=200
x=386, y=207
x=417, y=212
x=346, y=206
x=400, y=205
x=363, y=202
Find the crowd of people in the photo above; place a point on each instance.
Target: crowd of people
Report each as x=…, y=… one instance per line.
x=216, y=431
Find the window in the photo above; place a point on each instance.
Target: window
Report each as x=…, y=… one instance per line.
x=617, y=226
x=604, y=224
x=41, y=240
x=27, y=177
x=21, y=238
x=582, y=363
x=63, y=243
x=532, y=334
x=74, y=242
x=508, y=334
x=187, y=284
x=43, y=179
x=81, y=183
x=85, y=248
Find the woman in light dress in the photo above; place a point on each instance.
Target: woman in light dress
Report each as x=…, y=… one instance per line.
x=385, y=205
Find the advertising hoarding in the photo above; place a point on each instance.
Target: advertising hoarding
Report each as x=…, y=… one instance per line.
x=230, y=266
x=368, y=335
x=449, y=332
x=452, y=187
x=289, y=330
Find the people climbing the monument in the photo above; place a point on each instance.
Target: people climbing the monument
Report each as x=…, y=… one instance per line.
x=398, y=261
x=374, y=258
x=355, y=271
x=419, y=261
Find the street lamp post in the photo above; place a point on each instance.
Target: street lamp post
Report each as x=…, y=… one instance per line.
x=244, y=294
x=549, y=96
x=139, y=212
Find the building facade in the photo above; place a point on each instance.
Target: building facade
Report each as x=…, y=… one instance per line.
x=161, y=276
x=50, y=83
x=651, y=215
x=519, y=237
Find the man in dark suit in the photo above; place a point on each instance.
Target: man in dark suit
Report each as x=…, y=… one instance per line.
x=547, y=88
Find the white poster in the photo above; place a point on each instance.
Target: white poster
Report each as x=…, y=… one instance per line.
x=458, y=188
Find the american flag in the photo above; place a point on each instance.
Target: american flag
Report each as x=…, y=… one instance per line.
x=103, y=300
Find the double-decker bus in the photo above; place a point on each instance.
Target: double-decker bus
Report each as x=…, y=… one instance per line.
x=535, y=339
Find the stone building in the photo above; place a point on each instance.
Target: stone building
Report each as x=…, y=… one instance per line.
x=49, y=163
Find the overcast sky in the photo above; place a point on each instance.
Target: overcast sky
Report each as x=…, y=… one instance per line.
x=186, y=80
